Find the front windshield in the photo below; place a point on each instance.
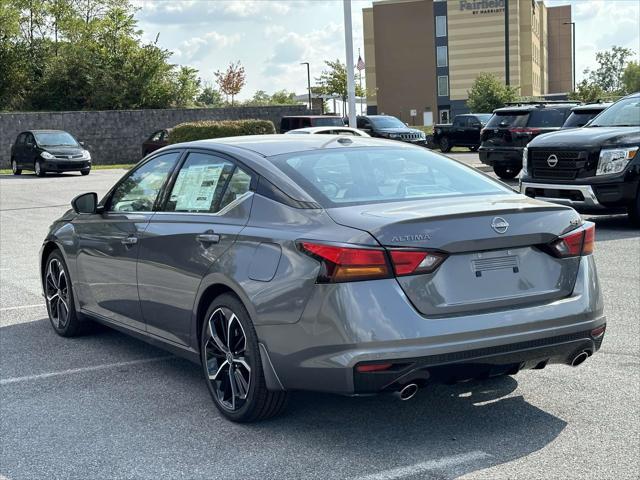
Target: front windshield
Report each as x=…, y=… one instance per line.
x=387, y=122
x=624, y=113
x=349, y=176
x=55, y=139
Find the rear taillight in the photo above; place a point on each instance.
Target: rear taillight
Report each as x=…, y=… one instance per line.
x=347, y=264
x=576, y=243
x=352, y=263
x=527, y=130
x=410, y=262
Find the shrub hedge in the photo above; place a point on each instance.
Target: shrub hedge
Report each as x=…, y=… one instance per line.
x=187, y=132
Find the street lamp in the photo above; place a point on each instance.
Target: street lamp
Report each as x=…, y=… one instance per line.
x=573, y=53
x=308, y=83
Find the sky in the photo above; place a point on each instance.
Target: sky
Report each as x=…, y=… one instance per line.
x=271, y=37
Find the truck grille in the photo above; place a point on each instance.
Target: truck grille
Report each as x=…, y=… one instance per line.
x=569, y=164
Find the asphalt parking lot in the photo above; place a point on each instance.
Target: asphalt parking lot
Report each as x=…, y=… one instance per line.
x=105, y=406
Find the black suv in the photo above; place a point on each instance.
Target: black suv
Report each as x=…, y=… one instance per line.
x=386, y=126
x=511, y=128
x=463, y=132
x=595, y=169
x=305, y=121
x=49, y=151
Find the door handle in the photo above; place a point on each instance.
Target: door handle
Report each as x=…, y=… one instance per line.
x=208, y=237
x=130, y=240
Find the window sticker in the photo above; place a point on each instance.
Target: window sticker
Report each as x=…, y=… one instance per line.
x=195, y=189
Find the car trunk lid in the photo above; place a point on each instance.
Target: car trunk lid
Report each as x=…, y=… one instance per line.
x=492, y=245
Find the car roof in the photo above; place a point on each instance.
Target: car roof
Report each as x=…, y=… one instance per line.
x=278, y=144
x=312, y=116
x=44, y=131
x=531, y=108
x=591, y=106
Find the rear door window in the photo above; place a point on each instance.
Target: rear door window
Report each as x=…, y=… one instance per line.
x=580, y=118
x=546, y=118
x=508, y=119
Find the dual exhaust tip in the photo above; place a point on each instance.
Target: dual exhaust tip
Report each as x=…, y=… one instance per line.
x=407, y=392
x=579, y=358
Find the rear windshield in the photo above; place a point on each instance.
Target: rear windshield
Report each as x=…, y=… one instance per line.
x=546, y=117
x=484, y=117
x=508, y=119
x=328, y=122
x=580, y=118
x=55, y=139
x=350, y=176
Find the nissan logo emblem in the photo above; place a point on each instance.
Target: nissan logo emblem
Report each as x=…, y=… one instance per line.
x=552, y=160
x=499, y=224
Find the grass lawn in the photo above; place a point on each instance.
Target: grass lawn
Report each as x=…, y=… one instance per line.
x=126, y=166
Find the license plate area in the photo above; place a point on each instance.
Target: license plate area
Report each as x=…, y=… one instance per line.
x=504, y=262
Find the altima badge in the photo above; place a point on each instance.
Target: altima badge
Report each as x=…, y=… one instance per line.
x=499, y=224
x=552, y=160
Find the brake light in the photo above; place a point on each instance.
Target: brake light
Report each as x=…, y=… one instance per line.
x=527, y=130
x=352, y=263
x=576, y=243
x=344, y=264
x=408, y=262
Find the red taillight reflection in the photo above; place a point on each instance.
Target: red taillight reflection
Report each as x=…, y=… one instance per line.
x=524, y=130
x=373, y=367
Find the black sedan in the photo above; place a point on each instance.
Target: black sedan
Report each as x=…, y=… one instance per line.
x=45, y=151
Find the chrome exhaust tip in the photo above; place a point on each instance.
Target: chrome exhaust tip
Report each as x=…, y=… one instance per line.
x=579, y=358
x=407, y=392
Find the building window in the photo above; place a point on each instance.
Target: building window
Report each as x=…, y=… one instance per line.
x=441, y=56
x=441, y=26
x=443, y=86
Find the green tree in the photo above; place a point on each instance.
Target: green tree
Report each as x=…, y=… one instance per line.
x=587, y=92
x=611, y=66
x=210, y=97
x=259, y=98
x=488, y=93
x=333, y=81
x=283, y=97
x=187, y=87
x=631, y=78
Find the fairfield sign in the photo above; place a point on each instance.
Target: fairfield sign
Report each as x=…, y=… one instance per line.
x=483, y=6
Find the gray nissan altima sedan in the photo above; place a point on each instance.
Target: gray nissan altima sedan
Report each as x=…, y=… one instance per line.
x=311, y=262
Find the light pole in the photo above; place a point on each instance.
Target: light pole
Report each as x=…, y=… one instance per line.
x=308, y=83
x=351, y=86
x=573, y=53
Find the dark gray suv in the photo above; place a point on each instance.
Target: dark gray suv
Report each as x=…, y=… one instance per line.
x=316, y=262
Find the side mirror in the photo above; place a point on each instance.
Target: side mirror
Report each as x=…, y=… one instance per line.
x=85, y=203
x=81, y=144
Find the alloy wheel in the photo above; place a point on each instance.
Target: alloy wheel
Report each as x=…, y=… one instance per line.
x=57, y=293
x=227, y=365
x=14, y=166
x=37, y=168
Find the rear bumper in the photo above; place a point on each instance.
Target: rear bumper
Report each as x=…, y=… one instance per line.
x=479, y=363
x=346, y=324
x=501, y=157
x=595, y=198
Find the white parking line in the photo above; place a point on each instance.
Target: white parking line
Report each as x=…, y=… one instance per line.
x=6, y=309
x=28, y=378
x=438, y=463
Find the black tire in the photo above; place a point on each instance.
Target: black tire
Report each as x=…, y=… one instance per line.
x=258, y=402
x=634, y=210
x=38, y=169
x=86, y=171
x=14, y=167
x=507, y=173
x=444, y=144
x=59, y=297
